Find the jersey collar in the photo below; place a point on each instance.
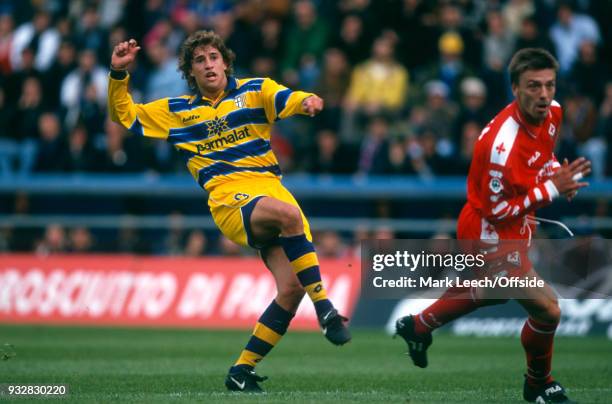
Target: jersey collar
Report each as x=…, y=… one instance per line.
x=198, y=98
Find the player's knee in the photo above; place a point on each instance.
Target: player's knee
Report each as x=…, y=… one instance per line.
x=291, y=218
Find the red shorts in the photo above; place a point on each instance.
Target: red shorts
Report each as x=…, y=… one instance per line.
x=505, y=248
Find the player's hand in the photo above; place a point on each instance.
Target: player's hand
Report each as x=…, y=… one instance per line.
x=312, y=105
x=124, y=54
x=567, y=178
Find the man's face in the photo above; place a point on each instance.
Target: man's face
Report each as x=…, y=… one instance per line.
x=208, y=69
x=534, y=93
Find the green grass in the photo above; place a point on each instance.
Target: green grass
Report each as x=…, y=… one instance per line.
x=145, y=365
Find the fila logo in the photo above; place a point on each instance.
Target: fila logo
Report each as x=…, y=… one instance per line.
x=190, y=118
x=552, y=130
x=533, y=158
x=553, y=389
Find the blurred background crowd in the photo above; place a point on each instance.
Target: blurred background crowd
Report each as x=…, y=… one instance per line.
x=408, y=84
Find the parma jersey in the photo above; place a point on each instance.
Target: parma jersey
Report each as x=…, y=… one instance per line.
x=223, y=140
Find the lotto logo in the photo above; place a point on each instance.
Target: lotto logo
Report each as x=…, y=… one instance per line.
x=241, y=197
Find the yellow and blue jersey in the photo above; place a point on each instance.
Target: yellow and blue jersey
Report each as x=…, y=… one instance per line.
x=224, y=140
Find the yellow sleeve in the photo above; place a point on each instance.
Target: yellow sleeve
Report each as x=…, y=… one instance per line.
x=280, y=102
x=151, y=119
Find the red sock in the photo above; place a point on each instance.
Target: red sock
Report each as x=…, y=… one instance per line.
x=537, y=339
x=454, y=303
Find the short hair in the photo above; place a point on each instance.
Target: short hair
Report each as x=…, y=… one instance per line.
x=530, y=59
x=195, y=40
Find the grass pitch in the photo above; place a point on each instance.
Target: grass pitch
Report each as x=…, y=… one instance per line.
x=150, y=365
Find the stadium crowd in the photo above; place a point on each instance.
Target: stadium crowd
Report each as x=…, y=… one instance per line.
x=408, y=84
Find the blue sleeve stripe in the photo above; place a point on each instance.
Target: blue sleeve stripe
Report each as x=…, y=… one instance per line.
x=280, y=101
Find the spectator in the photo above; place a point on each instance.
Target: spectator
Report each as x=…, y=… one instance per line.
x=306, y=40
x=441, y=112
x=25, y=123
x=568, y=33
x=373, y=158
x=6, y=44
x=80, y=240
x=39, y=36
x=450, y=21
x=163, y=79
x=172, y=243
x=53, y=242
x=81, y=154
x=378, y=86
x=52, y=150
x=498, y=43
x=332, y=86
x=399, y=163
x=9, y=148
x=588, y=73
x=121, y=153
x=352, y=40
x=580, y=121
x=412, y=22
x=450, y=68
x=470, y=130
x=14, y=82
x=196, y=244
x=85, y=85
x=55, y=75
x=430, y=157
x=473, y=107
x=530, y=36
x=89, y=34
x=330, y=245
x=514, y=12
x=269, y=47
x=330, y=156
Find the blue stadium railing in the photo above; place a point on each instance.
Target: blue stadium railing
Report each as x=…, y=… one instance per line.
x=303, y=186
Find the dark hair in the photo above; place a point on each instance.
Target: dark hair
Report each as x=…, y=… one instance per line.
x=530, y=59
x=202, y=38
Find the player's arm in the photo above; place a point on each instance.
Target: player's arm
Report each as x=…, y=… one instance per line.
x=281, y=102
x=150, y=119
x=502, y=206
